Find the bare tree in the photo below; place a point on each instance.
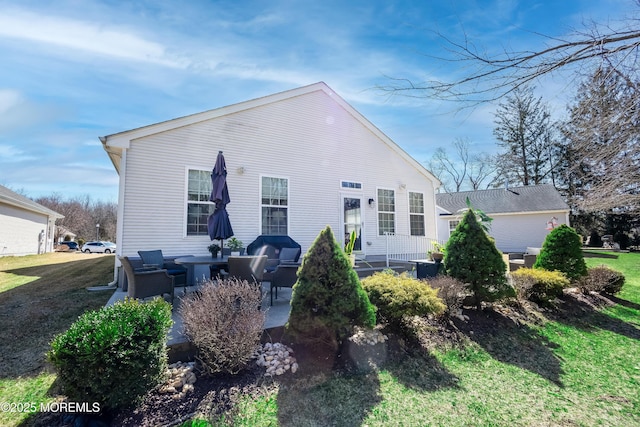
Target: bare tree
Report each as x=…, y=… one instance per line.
x=603, y=144
x=492, y=76
x=463, y=168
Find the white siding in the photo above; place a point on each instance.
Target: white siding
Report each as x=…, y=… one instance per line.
x=515, y=232
x=20, y=231
x=309, y=139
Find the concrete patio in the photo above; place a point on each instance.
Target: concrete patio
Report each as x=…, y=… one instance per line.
x=277, y=315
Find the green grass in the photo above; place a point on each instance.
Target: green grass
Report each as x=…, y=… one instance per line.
x=567, y=371
x=40, y=296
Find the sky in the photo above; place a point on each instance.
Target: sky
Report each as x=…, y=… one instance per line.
x=74, y=70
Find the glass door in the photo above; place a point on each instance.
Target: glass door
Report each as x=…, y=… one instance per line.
x=352, y=220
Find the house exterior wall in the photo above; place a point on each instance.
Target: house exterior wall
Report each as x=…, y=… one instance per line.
x=310, y=139
x=514, y=232
x=23, y=232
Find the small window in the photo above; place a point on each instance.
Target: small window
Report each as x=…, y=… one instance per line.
x=351, y=185
x=275, y=205
x=198, y=205
x=386, y=211
x=416, y=214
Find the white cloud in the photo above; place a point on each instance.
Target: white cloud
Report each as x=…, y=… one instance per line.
x=13, y=154
x=91, y=37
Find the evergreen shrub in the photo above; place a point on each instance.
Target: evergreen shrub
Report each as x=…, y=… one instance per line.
x=562, y=251
x=328, y=299
x=224, y=323
x=602, y=279
x=115, y=355
x=472, y=257
x=400, y=295
x=594, y=239
x=538, y=285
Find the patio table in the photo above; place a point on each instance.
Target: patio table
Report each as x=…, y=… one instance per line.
x=191, y=261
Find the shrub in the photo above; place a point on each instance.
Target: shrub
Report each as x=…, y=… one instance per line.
x=602, y=279
x=472, y=257
x=115, y=355
x=452, y=292
x=562, y=251
x=224, y=322
x=397, y=296
x=328, y=299
x=538, y=285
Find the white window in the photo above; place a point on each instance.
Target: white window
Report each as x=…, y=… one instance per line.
x=351, y=185
x=416, y=214
x=198, y=205
x=275, y=205
x=386, y=211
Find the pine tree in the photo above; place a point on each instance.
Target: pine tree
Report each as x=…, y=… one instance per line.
x=473, y=258
x=562, y=251
x=328, y=298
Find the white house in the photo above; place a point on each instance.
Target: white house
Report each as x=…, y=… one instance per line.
x=522, y=216
x=297, y=160
x=26, y=227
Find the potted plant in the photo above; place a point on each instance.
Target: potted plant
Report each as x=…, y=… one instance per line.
x=214, y=249
x=437, y=253
x=348, y=248
x=235, y=246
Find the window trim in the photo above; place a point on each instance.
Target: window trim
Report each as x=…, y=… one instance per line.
x=187, y=202
x=260, y=205
x=423, y=213
x=378, y=211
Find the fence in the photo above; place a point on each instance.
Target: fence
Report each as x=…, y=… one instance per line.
x=404, y=247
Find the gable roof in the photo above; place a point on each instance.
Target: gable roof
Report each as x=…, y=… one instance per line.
x=14, y=199
x=115, y=143
x=531, y=198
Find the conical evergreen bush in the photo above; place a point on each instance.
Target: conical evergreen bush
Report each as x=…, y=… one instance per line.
x=562, y=251
x=328, y=298
x=472, y=257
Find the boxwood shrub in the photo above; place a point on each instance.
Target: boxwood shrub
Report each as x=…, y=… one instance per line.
x=115, y=355
x=539, y=285
x=399, y=295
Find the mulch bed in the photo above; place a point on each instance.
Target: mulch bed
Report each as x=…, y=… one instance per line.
x=216, y=395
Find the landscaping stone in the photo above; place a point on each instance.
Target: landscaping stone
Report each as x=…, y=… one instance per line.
x=181, y=377
x=276, y=358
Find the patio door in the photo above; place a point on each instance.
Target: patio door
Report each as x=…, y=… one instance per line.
x=352, y=220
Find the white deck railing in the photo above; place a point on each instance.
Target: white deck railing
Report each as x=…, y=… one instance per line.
x=404, y=247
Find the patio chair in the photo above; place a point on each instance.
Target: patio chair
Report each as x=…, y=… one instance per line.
x=155, y=259
x=147, y=282
x=249, y=268
x=284, y=276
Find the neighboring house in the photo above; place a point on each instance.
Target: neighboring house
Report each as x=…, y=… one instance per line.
x=26, y=227
x=522, y=216
x=297, y=161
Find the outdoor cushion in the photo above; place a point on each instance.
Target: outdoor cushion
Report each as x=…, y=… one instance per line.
x=152, y=258
x=156, y=259
x=289, y=254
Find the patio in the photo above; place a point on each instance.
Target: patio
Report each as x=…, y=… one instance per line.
x=277, y=315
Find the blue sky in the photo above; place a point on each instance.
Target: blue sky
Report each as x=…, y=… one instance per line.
x=72, y=71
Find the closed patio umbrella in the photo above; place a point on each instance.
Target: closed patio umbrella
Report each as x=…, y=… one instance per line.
x=218, y=224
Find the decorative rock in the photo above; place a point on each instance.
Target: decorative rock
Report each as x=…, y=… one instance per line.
x=276, y=358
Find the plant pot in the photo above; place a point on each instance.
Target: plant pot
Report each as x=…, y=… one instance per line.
x=437, y=256
x=352, y=258
x=235, y=253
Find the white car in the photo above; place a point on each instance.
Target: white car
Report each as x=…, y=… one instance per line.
x=99, y=247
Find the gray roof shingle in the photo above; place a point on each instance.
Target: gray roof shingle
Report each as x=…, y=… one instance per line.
x=532, y=198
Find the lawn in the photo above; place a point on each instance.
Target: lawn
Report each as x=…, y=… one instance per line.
x=40, y=296
x=576, y=366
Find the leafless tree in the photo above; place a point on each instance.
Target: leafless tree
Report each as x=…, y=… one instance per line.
x=603, y=144
x=492, y=76
x=464, y=168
